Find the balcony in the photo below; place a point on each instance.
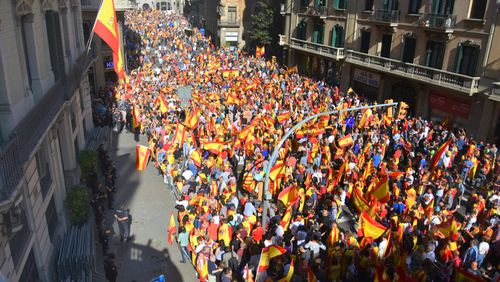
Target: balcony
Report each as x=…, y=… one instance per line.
x=318, y=49
x=459, y=82
x=16, y=151
x=228, y=23
x=386, y=16
x=315, y=11
x=438, y=22
x=120, y=5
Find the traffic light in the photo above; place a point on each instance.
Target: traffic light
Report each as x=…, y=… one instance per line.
x=403, y=110
x=390, y=112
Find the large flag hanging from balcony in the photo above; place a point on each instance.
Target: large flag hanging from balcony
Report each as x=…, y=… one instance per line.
x=106, y=28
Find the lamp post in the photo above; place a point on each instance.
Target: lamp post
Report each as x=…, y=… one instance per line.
x=274, y=156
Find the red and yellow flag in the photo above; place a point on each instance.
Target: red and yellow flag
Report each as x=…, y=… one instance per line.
x=171, y=229
x=370, y=227
x=311, y=277
x=365, y=118
x=289, y=275
x=289, y=195
x=285, y=221
x=282, y=117
x=196, y=158
x=260, y=51
x=136, y=121
x=106, y=27
x=160, y=101
x=180, y=132
x=381, y=190
x=214, y=147
x=277, y=171
x=438, y=154
x=346, y=141
x=142, y=157
x=360, y=203
x=267, y=254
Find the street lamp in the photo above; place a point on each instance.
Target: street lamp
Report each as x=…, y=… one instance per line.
x=274, y=156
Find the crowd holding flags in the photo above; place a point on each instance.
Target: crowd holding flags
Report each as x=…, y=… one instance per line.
x=388, y=172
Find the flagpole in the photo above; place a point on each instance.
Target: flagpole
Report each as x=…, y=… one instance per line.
x=87, y=48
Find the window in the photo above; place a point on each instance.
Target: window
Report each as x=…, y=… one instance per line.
x=318, y=32
x=27, y=36
x=443, y=7
x=42, y=162
x=434, y=54
x=231, y=14
x=339, y=4
x=19, y=239
x=338, y=36
x=478, y=8
x=410, y=44
x=74, y=13
x=369, y=5
x=30, y=272
x=77, y=148
x=304, y=3
x=386, y=45
x=466, y=59
x=51, y=217
x=390, y=5
x=320, y=3
x=55, y=45
x=413, y=6
x=302, y=30
x=365, y=42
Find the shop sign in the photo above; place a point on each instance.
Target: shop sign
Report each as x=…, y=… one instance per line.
x=445, y=104
x=367, y=78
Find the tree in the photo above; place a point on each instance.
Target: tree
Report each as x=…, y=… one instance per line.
x=262, y=22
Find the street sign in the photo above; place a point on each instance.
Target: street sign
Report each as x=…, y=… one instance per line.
x=184, y=95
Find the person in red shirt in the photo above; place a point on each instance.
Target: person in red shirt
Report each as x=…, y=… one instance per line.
x=212, y=230
x=257, y=232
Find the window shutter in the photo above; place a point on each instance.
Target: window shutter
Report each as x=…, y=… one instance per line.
x=458, y=57
x=334, y=37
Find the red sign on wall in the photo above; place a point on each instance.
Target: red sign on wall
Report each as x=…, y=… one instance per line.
x=445, y=104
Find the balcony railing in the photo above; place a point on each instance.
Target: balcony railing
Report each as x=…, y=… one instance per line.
x=446, y=22
x=228, y=23
x=386, y=16
x=90, y=5
x=320, y=49
x=24, y=138
x=318, y=11
x=443, y=78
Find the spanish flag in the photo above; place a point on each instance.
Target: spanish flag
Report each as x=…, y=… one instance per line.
x=438, y=154
x=136, y=121
x=282, y=117
x=196, y=158
x=365, y=118
x=106, y=28
x=369, y=227
x=142, y=157
x=193, y=118
x=285, y=221
x=277, y=171
x=346, y=141
x=360, y=203
x=260, y=51
x=214, y=147
x=267, y=254
x=179, y=135
x=171, y=229
x=381, y=190
x=289, y=195
x=334, y=236
x=160, y=101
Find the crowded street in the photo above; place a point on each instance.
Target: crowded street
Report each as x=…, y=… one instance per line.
x=364, y=195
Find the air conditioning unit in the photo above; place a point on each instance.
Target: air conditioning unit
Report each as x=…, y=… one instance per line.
x=281, y=39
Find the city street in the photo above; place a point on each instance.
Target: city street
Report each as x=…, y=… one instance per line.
x=148, y=254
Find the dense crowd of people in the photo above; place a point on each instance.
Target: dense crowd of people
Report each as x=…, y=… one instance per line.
x=360, y=195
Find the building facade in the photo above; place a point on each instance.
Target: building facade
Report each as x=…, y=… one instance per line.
x=45, y=114
x=436, y=55
x=225, y=21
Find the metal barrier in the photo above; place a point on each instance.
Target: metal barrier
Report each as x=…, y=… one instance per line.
x=75, y=261
x=100, y=135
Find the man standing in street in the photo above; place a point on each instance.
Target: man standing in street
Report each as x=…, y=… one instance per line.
x=124, y=219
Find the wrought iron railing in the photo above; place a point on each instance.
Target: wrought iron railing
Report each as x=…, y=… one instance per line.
x=228, y=23
x=447, y=79
x=438, y=21
x=25, y=137
x=325, y=50
x=389, y=16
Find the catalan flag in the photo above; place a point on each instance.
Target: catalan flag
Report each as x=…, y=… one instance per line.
x=142, y=157
x=171, y=229
x=438, y=154
x=106, y=28
x=370, y=227
x=381, y=190
x=278, y=170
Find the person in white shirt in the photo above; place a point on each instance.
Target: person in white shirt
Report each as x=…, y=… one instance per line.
x=484, y=248
x=315, y=246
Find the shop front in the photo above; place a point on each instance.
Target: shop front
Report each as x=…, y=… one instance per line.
x=452, y=111
x=366, y=84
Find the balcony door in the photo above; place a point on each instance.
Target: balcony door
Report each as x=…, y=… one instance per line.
x=390, y=5
x=385, y=51
x=318, y=32
x=434, y=54
x=338, y=36
x=339, y=4
x=55, y=44
x=364, y=45
x=466, y=59
x=443, y=7
x=302, y=30
x=410, y=44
